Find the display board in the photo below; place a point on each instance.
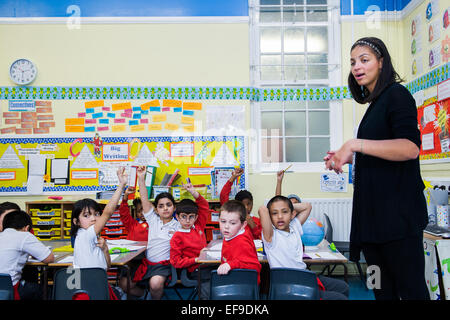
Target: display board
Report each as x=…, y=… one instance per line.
x=434, y=125
x=89, y=163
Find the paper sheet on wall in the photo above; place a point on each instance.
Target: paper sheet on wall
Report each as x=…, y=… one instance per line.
x=221, y=119
x=10, y=159
x=333, y=182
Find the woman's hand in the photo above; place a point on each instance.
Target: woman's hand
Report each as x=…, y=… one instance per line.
x=335, y=160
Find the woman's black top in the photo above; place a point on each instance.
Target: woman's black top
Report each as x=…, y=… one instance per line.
x=388, y=199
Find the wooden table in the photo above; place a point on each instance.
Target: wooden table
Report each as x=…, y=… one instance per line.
x=120, y=261
x=211, y=255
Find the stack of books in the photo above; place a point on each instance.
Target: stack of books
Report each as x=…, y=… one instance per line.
x=169, y=179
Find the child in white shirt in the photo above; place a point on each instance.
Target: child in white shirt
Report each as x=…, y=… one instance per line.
x=90, y=250
x=281, y=224
x=16, y=246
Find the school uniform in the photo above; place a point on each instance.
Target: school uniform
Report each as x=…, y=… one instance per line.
x=137, y=231
x=157, y=261
x=86, y=253
x=286, y=251
x=186, y=245
x=225, y=196
x=240, y=252
x=15, y=249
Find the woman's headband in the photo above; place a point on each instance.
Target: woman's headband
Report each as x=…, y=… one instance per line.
x=371, y=45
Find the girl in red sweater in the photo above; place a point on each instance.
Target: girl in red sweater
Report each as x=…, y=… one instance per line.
x=137, y=228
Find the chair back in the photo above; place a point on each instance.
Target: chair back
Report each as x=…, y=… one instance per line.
x=328, y=229
x=69, y=281
x=6, y=287
x=186, y=281
x=238, y=284
x=293, y=284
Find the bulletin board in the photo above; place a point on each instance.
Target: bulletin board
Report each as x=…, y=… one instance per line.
x=74, y=164
x=434, y=125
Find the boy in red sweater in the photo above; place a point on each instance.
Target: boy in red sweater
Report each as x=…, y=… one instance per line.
x=137, y=229
x=253, y=223
x=238, y=248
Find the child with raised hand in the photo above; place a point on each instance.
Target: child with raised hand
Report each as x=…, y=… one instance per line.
x=90, y=250
x=155, y=268
x=246, y=198
x=238, y=248
x=293, y=197
x=187, y=242
x=16, y=245
x=281, y=236
x=137, y=228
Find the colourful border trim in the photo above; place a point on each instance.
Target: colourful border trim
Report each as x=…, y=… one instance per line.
x=430, y=79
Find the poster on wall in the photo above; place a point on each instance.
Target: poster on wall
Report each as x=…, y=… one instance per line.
x=434, y=126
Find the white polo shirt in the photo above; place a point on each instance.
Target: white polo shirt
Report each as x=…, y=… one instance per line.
x=286, y=248
x=159, y=235
x=15, y=248
x=86, y=254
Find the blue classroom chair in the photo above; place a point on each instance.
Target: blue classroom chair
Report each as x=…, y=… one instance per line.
x=6, y=287
x=293, y=284
x=92, y=281
x=238, y=284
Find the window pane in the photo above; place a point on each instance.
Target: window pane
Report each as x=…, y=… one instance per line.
x=270, y=67
x=269, y=14
x=270, y=40
x=318, y=148
x=292, y=2
x=294, y=40
x=269, y=2
x=294, y=67
x=295, y=123
x=317, y=58
x=272, y=150
x=316, y=1
x=294, y=105
x=293, y=14
x=319, y=123
x=315, y=14
x=270, y=105
x=317, y=39
x=318, y=105
x=272, y=122
x=317, y=72
x=296, y=150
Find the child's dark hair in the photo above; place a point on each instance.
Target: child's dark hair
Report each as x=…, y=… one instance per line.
x=162, y=196
x=280, y=198
x=235, y=206
x=137, y=202
x=17, y=219
x=5, y=206
x=78, y=208
x=187, y=206
x=242, y=195
x=387, y=76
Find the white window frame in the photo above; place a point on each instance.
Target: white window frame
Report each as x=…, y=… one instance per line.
x=335, y=79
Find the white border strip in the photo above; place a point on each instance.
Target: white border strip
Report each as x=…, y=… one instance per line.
x=124, y=20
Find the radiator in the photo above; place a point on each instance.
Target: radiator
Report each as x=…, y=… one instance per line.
x=339, y=210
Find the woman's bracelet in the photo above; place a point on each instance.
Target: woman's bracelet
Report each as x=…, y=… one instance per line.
x=361, y=146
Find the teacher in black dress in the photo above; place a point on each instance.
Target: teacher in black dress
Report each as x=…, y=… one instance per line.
x=389, y=208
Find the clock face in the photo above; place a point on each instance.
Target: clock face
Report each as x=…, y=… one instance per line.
x=22, y=71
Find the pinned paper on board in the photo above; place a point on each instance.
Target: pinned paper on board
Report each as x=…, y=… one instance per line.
x=85, y=160
x=224, y=158
x=203, y=154
x=10, y=159
x=145, y=158
x=162, y=154
x=333, y=182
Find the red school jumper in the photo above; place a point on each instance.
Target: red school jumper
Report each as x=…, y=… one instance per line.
x=240, y=253
x=186, y=246
x=225, y=196
x=136, y=231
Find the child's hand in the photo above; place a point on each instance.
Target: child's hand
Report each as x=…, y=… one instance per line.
x=141, y=170
x=263, y=210
x=190, y=188
x=224, y=268
x=280, y=175
x=129, y=191
x=123, y=177
x=101, y=243
x=237, y=172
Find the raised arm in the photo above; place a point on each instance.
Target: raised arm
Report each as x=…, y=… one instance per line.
x=112, y=204
x=266, y=223
x=146, y=204
x=225, y=192
x=202, y=203
x=280, y=175
x=303, y=210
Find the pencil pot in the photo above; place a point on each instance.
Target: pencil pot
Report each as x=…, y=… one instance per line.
x=442, y=213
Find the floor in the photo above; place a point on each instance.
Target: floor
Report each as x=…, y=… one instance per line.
x=357, y=291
